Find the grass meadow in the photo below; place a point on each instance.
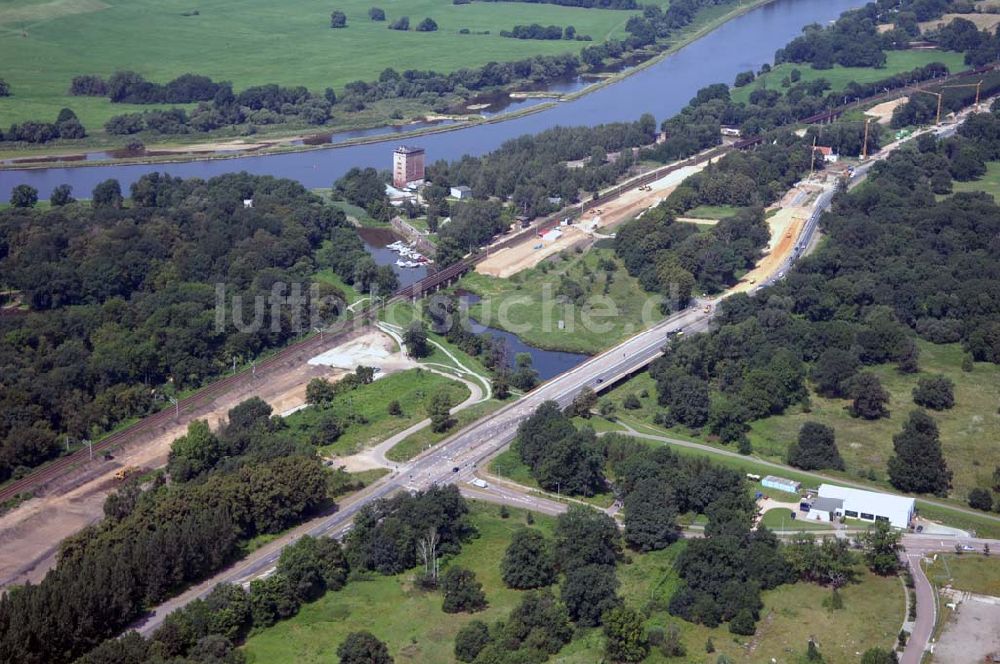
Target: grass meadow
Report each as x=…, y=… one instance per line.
x=839, y=77
x=417, y=631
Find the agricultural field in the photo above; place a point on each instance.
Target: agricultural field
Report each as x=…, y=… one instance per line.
x=44, y=43
x=839, y=77
x=411, y=622
x=365, y=409
x=530, y=303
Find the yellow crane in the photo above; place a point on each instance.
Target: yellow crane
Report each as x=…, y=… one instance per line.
x=940, y=97
x=978, y=86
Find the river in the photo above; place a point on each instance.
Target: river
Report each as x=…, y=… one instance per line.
x=745, y=42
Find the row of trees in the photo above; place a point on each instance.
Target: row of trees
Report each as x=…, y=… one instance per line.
x=124, y=305
x=536, y=31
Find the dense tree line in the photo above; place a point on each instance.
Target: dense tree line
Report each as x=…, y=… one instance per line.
x=128, y=87
x=586, y=4
x=153, y=542
x=123, y=303
x=536, y=31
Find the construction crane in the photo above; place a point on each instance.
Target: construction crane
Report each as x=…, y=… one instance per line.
x=940, y=98
x=978, y=86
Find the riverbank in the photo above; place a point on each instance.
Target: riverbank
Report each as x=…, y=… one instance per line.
x=293, y=141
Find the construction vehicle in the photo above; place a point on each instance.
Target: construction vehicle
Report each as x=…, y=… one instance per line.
x=125, y=472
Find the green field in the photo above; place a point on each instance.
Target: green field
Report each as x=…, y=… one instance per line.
x=415, y=629
x=417, y=442
x=839, y=77
x=44, y=43
x=712, y=211
x=527, y=304
x=971, y=571
x=989, y=183
x=413, y=390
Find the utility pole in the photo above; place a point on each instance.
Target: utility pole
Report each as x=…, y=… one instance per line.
x=812, y=159
x=177, y=406
x=90, y=446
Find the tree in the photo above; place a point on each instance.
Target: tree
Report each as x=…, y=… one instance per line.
x=934, y=392
x=394, y=408
x=194, y=453
x=401, y=23
x=23, y=196
x=462, y=592
x=427, y=25
x=583, y=402
x=439, y=410
x=980, y=499
x=61, y=195
x=471, y=640
x=812, y=652
x=4, y=88
x=870, y=398
x=816, y=448
x=832, y=370
x=589, y=592
x=880, y=548
x=528, y=561
x=338, y=19
x=879, y=656
x=107, y=194
x=650, y=515
x=320, y=391
x=376, y=14
x=415, y=340
x=363, y=648
x=918, y=465
x=313, y=566
x=743, y=623
x=584, y=536
x=625, y=639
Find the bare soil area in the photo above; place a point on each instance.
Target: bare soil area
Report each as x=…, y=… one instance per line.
x=883, y=112
x=972, y=630
x=530, y=253
x=30, y=534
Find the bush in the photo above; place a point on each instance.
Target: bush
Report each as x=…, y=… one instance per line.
x=376, y=14
x=401, y=23
x=981, y=499
x=935, y=392
x=338, y=19
x=427, y=25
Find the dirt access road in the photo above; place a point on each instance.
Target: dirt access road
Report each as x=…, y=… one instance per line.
x=531, y=252
x=31, y=533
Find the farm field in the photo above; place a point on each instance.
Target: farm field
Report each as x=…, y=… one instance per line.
x=44, y=43
x=417, y=631
x=839, y=77
x=530, y=303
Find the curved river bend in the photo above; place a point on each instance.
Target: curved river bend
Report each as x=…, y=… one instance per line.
x=662, y=89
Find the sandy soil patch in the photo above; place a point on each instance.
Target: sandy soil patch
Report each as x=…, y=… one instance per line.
x=884, y=27
x=512, y=260
x=785, y=225
x=883, y=112
x=972, y=631
x=30, y=534
x=982, y=21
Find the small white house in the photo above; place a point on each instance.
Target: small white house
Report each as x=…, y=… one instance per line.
x=247, y=203
x=461, y=192
x=869, y=505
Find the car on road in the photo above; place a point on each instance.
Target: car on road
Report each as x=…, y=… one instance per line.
x=479, y=483
x=454, y=469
